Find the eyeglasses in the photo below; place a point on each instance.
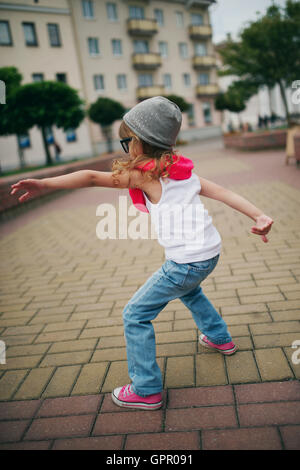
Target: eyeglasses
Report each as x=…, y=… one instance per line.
x=125, y=144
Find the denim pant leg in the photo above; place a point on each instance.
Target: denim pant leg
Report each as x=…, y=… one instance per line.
x=206, y=316
x=139, y=333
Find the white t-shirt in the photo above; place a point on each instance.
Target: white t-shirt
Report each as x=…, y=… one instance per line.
x=182, y=224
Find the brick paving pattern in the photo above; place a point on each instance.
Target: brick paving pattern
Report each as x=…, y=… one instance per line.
x=62, y=295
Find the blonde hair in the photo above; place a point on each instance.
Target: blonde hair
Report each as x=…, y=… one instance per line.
x=162, y=158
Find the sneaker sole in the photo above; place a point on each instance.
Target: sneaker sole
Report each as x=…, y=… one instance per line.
x=228, y=352
x=139, y=406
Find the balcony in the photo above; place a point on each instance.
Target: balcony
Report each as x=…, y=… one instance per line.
x=210, y=90
x=149, y=61
x=204, y=62
x=144, y=92
x=144, y=27
x=200, y=31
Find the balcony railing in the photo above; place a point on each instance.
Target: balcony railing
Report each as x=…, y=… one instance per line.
x=146, y=27
x=200, y=31
x=149, y=61
x=211, y=89
x=205, y=61
x=144, y=92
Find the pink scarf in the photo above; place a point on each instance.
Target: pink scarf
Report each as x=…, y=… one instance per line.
x=179, y=170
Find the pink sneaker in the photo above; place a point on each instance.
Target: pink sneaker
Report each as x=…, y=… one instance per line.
x=226, y=348
x=125, y=396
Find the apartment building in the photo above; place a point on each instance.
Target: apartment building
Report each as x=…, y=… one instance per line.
x=127, y=50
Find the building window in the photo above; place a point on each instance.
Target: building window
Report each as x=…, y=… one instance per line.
x=145, y=79
x=5, y=34
x=206, y=112
x=87, y=8
x=30, y=34
x=183, y=50
x=112, y=13
x=196, y=19
x=187, y=79
x=37, y=77
x=71, y=135
x=141, y=47
x=49, y=135
x=61, y=77
x=93, y=45
x=99, y=82
x=179, y=19
x=24, y=141
x=54, y=35
x=117, y=47
x=136, y=13
x=159, y=16
x=163, y=49
x=191, y=115
x=121, y=82
x=200, y=49
x=167, y=80
x=203, y=79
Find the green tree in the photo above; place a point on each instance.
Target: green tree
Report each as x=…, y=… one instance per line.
x=267, y=52
x=181, y=103
x=9, y=122
x=105, y=112
x=234, y=99
x=46, y=104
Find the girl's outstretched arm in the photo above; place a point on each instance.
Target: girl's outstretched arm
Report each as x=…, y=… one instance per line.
x=77, y=179
x=234, y=200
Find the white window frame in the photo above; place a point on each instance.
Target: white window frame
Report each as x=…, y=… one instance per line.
x=183, y=50
x=145, y=79
x=116, y=45
x=88, y=10
x=200, y=49
x=179, y=19
x=122, y=82
x=159, y=16
x=99, y=80
x=187, y=80
x=196, y=22
x=202, y=80
x=92, y=41
x=136, y=12
x=139, y=50
x=167, y=81
x=112, y=11
x=163, y=49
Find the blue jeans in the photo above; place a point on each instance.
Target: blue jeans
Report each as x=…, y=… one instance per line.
x=171, y=281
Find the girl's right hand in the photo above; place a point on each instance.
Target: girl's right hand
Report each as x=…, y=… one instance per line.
x=33, y=187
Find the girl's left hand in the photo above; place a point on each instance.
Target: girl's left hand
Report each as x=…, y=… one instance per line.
x=262, y=227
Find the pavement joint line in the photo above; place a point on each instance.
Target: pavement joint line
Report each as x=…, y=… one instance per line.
x=280, y=437
x=96, y=415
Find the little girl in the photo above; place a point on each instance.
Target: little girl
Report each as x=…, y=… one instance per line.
x=159, y=180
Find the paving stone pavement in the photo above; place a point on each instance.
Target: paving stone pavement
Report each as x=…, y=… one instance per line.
x=62, y=295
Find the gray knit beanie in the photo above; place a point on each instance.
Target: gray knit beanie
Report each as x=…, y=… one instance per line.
x=156, y=120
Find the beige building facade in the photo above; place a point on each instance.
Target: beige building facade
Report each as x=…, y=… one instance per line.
x=127, y=50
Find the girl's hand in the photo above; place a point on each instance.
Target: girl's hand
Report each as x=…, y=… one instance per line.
x=32, y=187
x=262, y=227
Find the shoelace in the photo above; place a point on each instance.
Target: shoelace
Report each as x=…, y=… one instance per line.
x=127, y=390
